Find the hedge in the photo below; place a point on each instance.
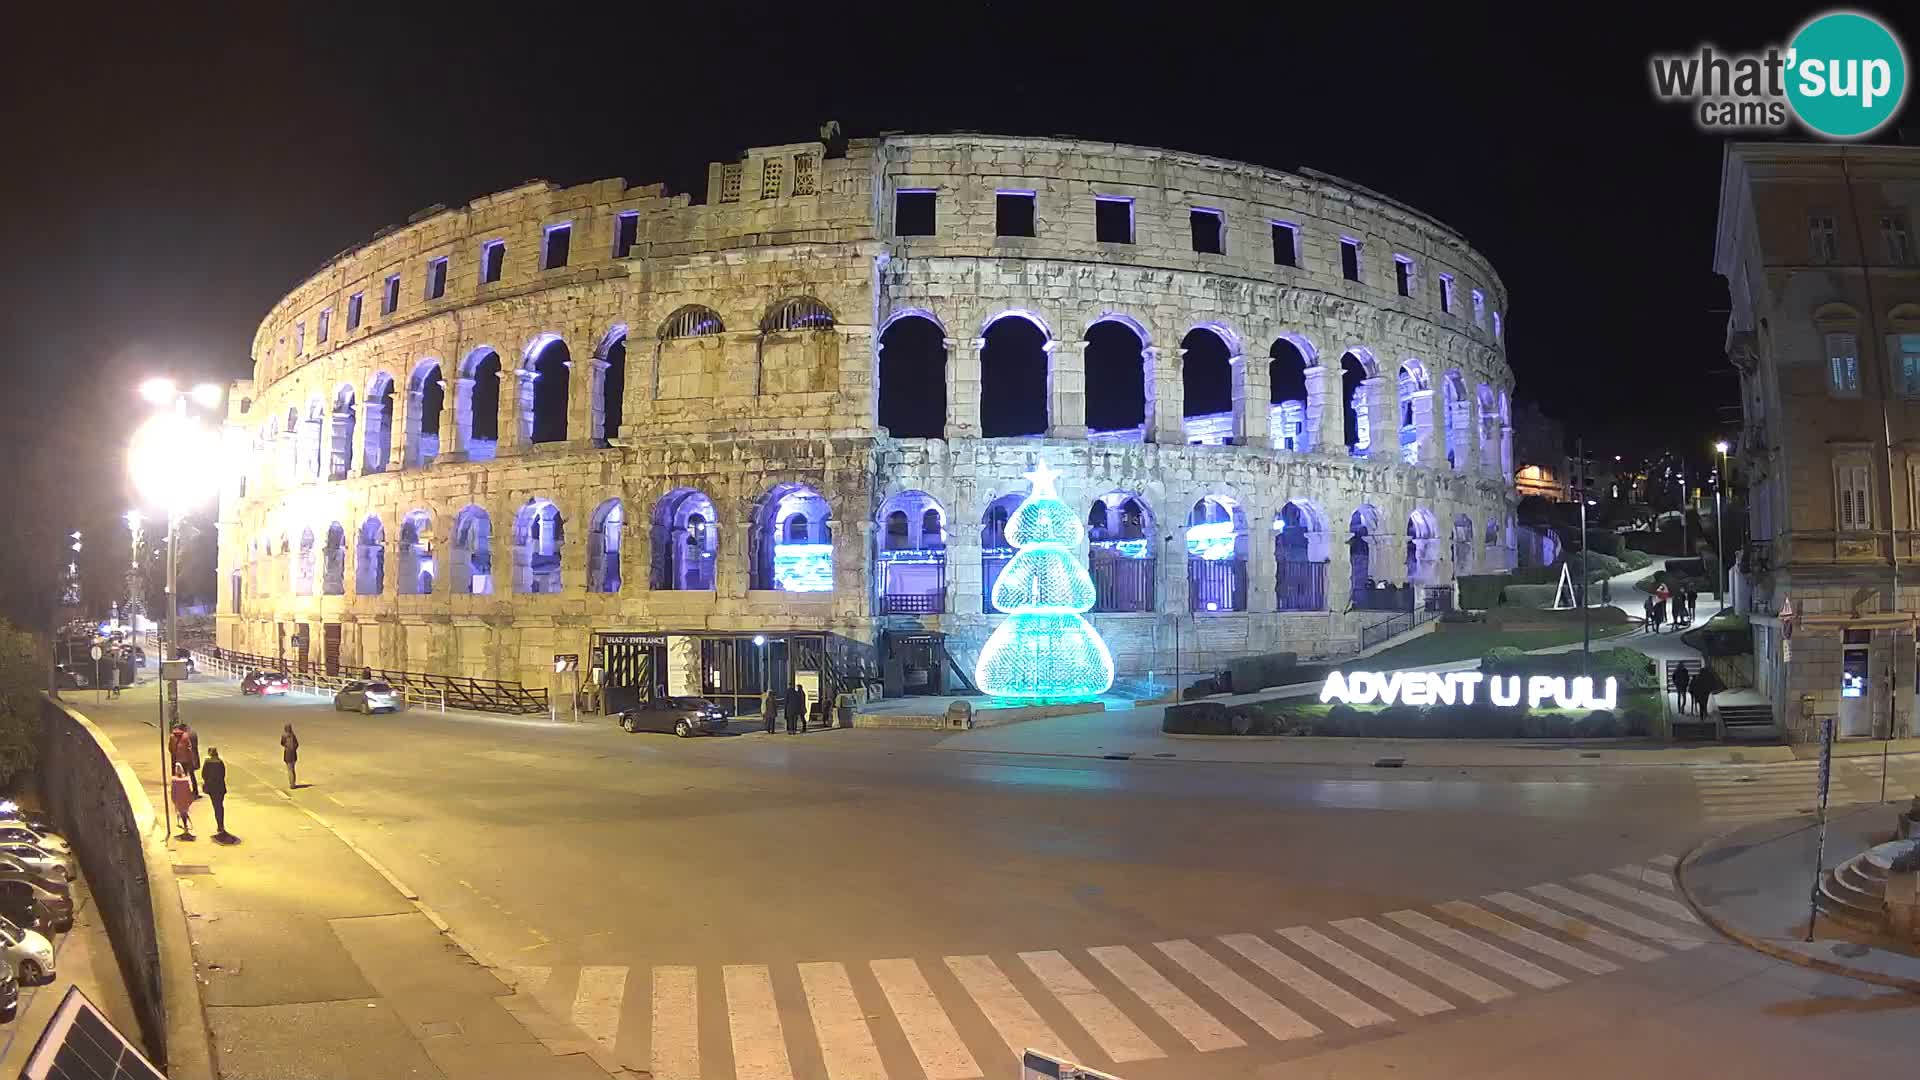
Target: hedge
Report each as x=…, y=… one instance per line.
x=1478, y=592
x=1634, y=669
x=1528, y=596
x=1635, y=715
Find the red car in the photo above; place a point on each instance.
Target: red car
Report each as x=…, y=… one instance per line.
x=264, y=683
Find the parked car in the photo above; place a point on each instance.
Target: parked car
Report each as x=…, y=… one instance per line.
x=27, y=952
x=367, y=697
x=684, y=716
x=37, y=860
x=265, y=683
x=9, y=997
x=30, y=905
x=72, y=678
x=19, y=832
x=36, y=820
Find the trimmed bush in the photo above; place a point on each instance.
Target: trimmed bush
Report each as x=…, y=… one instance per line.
x=1478, y=592
x=1197, y=718
x=1634, y=559
x=1528, y=596
x=1249, y=673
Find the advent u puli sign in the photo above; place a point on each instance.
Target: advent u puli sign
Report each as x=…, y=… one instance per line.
x=1463, y=687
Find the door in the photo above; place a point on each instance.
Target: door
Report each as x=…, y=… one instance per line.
x=1856, y=685
x=330, y=647
x=636, y=669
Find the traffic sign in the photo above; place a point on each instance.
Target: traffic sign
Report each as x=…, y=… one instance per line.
x=566, y=661
x=97, y=654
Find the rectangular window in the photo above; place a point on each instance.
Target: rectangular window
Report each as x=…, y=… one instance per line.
x=353, y=311
x=1013, y=213
x=803, y=174
x=559, y=245
x=299, y=338
x=1893, y=230
x=437, y=278
x=1843, y=365
x=914, y=213
x=1350, y=258
x=626, y=232
x=1286, y=244
x=730, y=182
x=390, y=301
x=773, y=178
x=1446, y=292
x=1823, y=238
x=1112, y=219
x=493, y=259
x=1856, y=506
x=1479, y=308
x=1403, y=275
x=1209, y=231
x=1910, y=365
x=325, y=328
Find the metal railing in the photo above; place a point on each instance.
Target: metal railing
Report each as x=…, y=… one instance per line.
x=456, y=691
x=1394, y=625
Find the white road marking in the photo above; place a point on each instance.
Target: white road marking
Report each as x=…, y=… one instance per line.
x=1520, y=935
x=753, y=1020
x=1671, y=908
x=942, y=1054
x=1499, y=960
x=530, y=980
x=1625, y=920
x=596, y=1004
x=1019, y=1026
x=1575, y=928
x=676, y=1023
x=1119, y=1038
x=1419, y=959
x=1667, y=862
x=1182, y=1013
x=1647, y=875
x=1274, y=1018
x=846, y=1043
x=1305, y=981
x=1364, y=971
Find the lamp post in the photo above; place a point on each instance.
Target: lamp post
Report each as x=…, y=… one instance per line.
x=1719, y=529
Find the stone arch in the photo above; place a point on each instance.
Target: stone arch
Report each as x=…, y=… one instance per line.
x=911, y=377
x=1454, y=400
x=1123, y=546
x=333, y=562
x=911, y=555
x=1301, y=550
x=340, y=427
x=796, y=313
x=691, y=321
x=1015, y=375
x=1363, y=529
x=685, y=531
x=1118, y=362
x=1423, y=542
x=303, y=563
x=413, y=565
x=1416, y=409
x=377, y=440
x=1462, y=545
x=1289, y=416
x=471, y=560
x=545, y=372
x=313, y=457
x=796, y=345
x=1216, y=539
x=1491, y=548
x=539, y=538
x=370, y=558
x=791, y=540
x=606, y=530
x=995, y=549
x=426, y=394
x=1362, y=401
x=1207, y=382
x=476, y=404
x=1490, y=423
x=609, y=385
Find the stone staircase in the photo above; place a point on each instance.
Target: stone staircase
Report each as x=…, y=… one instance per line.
x=1855, y=892
x=1745, y=721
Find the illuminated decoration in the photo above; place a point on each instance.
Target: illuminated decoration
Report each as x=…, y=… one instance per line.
x=803, y=567
x=1212, y=540
x=1126, y=549
x=1045, y=649
x=1461, y=687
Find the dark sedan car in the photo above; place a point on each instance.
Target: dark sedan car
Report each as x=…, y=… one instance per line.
x=29, y=905
x=265, y=683
x=684, y=716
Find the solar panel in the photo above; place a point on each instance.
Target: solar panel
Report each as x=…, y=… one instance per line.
x=80, y=1043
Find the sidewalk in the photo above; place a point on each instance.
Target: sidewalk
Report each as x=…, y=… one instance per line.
x=317, y=963
x=1754, y=885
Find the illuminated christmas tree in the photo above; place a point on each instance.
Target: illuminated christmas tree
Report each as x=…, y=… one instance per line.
x=1045, y=649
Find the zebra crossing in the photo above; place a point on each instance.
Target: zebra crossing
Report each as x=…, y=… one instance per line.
x=965, y=1016
x=1739, y=794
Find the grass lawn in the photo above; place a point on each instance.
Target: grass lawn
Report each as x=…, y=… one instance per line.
x=1473, y=642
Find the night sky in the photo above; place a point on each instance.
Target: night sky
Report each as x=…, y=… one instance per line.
x=170, y=176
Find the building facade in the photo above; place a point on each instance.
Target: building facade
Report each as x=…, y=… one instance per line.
x=599, y=419
x=1816, y=244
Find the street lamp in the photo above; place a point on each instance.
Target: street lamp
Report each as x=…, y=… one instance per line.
x=1719, y=530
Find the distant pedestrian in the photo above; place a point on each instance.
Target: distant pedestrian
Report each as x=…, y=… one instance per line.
x=1646, y=620
x=796, y=710
x=290, y=753
x=1680, y=678
x=1659, y=614
x=214, y=782
x=183, y=798
x=113, y=678
x=769, y=709
x=193, y=757
x=366, y=673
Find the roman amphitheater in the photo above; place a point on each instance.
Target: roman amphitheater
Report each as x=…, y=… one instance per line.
x=709, y=446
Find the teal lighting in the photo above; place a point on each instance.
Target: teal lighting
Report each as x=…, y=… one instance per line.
x=1045, y=649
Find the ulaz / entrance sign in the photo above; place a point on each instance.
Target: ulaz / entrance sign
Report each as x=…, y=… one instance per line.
x=1460, y=688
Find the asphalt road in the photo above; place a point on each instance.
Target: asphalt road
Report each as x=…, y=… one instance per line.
x=894, y=908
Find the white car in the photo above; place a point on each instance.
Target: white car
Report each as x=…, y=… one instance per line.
x=45, y=863
x=13, y=832
x=27, y=952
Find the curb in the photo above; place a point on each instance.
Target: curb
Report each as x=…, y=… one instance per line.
x=1766, y=947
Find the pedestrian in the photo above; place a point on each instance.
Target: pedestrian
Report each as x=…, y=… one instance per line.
x=1705, y=685
x=193, y=757
x=180, y=749
x=183, y=798
x=366, y=673
x=796, y=710
x=1680, y=678
x=214, y=782
x=290, y=753
x=1693, y=598
x=1646, y=620
x=769, y=709
x=113, y=679
x=1659, y=614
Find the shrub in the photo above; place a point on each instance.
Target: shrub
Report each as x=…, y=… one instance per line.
x=1595, y=565
x=1478, y=592
x=1528, y=596
x=1196, y=718
x=1246, y=674
x=1634, y=559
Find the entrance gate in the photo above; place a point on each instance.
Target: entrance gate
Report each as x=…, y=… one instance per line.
x=636, y=668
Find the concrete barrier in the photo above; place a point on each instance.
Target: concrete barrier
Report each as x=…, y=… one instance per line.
x=100, y=804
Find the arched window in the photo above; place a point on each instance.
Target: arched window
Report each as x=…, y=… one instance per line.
x=289, y=450
x=312, y=437
x=544, y=391
x=537, y=543
x=1416, y=411
x=1206, y=376
x=1492, y=551
x=1462, y=545
x=607, y=528
x=477, y=407
x=693, y=320
x=995, y=549
x=1013, y=378
x=428, y=392
x=1287, y=395
x=413, y=569
x=1300, y=552
x=333, y=562
x=303, y=565
x=913, y=378
x=1364, y=531
x=690, y=359
x=1119, y=386
x=796, y=313
x=370, y=560
x=686, y=538
x=1357, y=394
x=340, y=434
x=1454, y=399
x=1489, y=431
x=1423, y=555
x=792, y=541
x=1216, y=556
x=1122, y=552
x=379, y=425
x=912, y=560
x=610, y=388
x=471, y=563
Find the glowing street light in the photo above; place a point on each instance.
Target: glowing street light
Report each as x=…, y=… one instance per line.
x=1719, y=533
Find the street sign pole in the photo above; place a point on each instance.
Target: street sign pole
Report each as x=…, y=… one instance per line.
x=1820, y=848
